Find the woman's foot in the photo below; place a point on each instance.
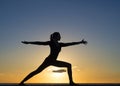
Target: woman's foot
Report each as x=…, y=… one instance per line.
x=73, y=84
x=21, y=84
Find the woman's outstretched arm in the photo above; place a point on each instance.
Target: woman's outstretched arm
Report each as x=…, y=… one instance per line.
x=36, y=43
x=73, y=43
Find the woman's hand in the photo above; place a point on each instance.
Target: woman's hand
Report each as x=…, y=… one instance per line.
x=25, y=42
x=84, y=42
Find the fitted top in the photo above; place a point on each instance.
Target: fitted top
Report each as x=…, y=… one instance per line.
x=55, y=48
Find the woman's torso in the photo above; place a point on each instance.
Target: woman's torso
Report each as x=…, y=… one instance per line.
x=55, y=48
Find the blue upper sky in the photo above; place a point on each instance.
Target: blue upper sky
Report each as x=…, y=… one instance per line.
x=98, y=19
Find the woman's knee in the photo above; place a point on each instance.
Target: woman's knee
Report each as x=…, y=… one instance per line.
x=36, y=71
x=69, y=65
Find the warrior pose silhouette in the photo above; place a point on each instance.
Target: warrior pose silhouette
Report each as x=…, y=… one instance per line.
x=55, y=48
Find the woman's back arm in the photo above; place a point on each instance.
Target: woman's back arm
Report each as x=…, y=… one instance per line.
x=36, y=42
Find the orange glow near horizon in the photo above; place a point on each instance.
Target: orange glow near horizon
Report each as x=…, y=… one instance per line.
x=83, y=73
x=47, y=76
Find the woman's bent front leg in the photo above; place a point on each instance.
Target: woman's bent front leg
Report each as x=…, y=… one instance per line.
x=69, y=68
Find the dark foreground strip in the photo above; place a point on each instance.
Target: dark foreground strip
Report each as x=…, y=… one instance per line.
x=64, y=84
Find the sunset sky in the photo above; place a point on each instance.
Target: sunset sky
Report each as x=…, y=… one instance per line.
x=97, y=21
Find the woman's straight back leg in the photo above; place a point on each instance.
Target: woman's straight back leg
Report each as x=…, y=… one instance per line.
x=38, y=70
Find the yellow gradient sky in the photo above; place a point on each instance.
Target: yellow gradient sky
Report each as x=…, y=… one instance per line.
x=97, y=21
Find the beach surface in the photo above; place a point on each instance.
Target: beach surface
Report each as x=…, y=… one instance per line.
x=63, y=84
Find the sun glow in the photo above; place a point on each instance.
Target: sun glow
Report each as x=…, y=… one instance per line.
x=57, y=75
x=56, y=72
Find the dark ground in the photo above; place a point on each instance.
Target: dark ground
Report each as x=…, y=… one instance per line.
x=64, y=84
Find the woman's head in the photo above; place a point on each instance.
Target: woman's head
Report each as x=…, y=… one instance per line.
x=55, y=36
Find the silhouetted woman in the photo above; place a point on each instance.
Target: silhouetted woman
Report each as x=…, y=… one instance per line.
x=55, y=48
